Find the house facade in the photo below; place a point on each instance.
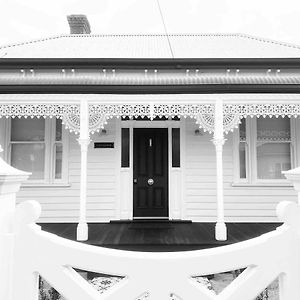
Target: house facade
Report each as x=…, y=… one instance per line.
x=178, y=127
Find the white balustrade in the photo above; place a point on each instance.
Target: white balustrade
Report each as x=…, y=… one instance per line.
x=33, y=252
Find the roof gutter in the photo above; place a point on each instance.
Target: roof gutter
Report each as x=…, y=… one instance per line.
x=152, y=89
x=142, y=63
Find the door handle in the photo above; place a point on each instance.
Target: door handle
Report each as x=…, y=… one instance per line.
x=135, y=181
x=150, y=181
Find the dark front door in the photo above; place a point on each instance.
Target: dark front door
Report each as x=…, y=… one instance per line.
x=150, y=173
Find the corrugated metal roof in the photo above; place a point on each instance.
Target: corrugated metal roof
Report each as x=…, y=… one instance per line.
x=151, y=46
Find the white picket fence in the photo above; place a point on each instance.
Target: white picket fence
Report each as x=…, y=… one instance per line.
x=27, y=252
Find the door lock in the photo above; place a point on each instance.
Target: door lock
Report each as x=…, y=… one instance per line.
x=150, y=181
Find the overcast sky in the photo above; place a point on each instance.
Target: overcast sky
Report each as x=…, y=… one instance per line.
x=22, y=20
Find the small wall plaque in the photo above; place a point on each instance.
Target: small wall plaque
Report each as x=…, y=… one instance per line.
x=104, y=145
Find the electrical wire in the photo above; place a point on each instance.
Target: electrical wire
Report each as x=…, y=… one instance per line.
x=165, y=27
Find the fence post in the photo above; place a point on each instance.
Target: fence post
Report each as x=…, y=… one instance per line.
x=289, y=283
x=289, y=288
x=10, y=182
x=294, y=176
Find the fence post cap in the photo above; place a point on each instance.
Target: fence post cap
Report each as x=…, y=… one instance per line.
x=10, y=178
x=292, y=172
x=289, y=213
x=293, y=176
x=27, y=212
x=8, y=171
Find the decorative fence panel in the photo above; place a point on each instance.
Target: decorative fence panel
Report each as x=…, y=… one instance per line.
x=161, y=275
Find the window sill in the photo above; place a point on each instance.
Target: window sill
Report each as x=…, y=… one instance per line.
x=45, y=185
x=263, y=184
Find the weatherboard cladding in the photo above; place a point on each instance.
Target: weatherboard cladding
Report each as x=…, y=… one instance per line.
x=242, y=203
x=61, y=203
x=151, y=46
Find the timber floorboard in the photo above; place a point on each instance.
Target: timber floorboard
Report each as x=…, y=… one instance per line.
x=160, y=236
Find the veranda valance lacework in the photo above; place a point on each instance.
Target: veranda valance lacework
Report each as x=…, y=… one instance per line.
x=265, y=110
x=100, y=113
x=38, y=110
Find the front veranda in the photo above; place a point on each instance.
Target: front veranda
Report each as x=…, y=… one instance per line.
x=27, y=252
x=228, y=109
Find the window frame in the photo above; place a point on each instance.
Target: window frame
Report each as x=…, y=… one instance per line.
x=176, y=147
x=125, y=156
x=251, y=155
x=50, y=155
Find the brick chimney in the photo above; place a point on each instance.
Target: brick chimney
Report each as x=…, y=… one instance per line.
x=79, y=24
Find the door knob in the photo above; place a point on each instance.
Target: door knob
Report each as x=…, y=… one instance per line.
x=150, y=181
x=135, y=181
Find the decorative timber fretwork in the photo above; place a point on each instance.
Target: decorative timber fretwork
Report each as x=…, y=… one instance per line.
x=207, y=122
x=96, y=122
x=264, y=110
x=37, y=110
x=99, y=114
x=233, y=113
x=147, y=111
x=121, y=110
x=151, y=110
x=182, y=110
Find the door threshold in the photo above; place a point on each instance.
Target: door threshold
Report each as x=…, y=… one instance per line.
x=150, y=220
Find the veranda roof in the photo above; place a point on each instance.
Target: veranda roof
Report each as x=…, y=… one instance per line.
x=192, y=77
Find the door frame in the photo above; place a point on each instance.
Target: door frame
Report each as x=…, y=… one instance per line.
x=125, y=191
x=159, y=132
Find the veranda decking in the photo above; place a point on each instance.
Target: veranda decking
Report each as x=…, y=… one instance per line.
x=160, y=236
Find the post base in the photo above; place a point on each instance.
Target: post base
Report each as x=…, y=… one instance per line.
x=221, y=231
x=82, y=232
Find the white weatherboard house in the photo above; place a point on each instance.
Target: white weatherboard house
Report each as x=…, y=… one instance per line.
x=179, y=127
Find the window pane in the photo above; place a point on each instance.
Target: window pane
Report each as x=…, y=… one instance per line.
x=242, y=148
x=272, y=159
x=273, y=129
x=30, y=158
x=273, y=153
x=175, y=147
x=242, y=130
x=27, y=129
x=58, y=160
x=125, y=148
x=58, y=130
x=242, y=152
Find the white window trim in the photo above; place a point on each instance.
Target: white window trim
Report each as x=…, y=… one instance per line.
x=49, y=171
x=251, y=161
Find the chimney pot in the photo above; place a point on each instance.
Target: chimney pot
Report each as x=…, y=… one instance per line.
x=79, y=24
